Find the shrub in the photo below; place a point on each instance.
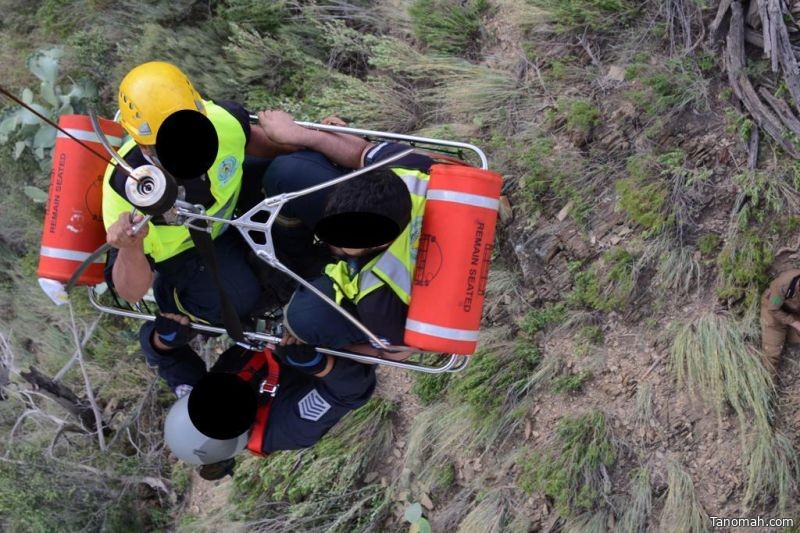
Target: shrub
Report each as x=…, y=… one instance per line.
x=573, y=469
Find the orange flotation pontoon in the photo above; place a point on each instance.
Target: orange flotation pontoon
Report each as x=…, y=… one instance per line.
x=453, y=258
x=73, y=225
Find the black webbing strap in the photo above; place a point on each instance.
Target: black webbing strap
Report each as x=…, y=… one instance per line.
x=205, y=248
x=792, y=287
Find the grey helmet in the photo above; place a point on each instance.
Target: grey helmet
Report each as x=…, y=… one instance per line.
x=212, y=422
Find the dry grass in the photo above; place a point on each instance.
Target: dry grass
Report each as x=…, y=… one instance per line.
x=772, y=468
x=710, y=355
x=682, y=511
x=638, y=509
x=643, y=404
x=487, y=516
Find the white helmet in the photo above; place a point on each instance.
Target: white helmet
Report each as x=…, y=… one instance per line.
x=212, y=422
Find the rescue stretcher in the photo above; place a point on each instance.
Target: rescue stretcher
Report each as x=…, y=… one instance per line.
x=153, y=193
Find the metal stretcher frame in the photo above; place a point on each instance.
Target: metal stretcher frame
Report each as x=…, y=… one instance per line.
x=247, y=225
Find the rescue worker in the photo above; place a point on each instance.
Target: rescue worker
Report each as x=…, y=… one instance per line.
x=249, y=399
x=372, y=222
x=780, y=317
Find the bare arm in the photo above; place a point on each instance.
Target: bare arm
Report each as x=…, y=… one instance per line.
x=131, y=272
x=260, y=145
x=342, y=149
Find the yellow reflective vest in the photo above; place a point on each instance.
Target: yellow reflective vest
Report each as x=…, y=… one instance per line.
x=395, y=266
x=225, y=177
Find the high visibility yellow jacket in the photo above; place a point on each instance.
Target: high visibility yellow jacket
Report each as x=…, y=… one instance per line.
x=395, y=266
x=225, y=177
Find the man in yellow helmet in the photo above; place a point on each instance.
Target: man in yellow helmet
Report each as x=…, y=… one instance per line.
x=203, y=145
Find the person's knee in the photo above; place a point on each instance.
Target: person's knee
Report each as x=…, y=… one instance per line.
x=349, y=383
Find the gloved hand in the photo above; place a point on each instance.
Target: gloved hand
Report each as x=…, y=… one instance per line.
x=173, y=331
x=302, y=357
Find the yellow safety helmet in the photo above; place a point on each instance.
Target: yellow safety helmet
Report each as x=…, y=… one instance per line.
x=152, y=92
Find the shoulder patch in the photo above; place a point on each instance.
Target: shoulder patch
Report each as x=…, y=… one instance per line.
x=312, y=406
x=775, y=299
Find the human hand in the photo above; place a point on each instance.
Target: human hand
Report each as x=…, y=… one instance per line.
x=280, y=127
x=333, y=120
x=172, y=331
x=120, y=234
x=289, y=339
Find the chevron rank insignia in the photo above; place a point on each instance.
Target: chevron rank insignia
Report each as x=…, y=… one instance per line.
x=312, y=406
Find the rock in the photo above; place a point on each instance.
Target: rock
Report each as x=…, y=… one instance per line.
x=401, y=444
x=504, y=210
x=564, y=211
x=615, y=73
x=397, y=453
x=426, y=502
x=370, y=477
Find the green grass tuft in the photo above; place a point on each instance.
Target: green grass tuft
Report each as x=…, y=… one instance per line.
x=538, y=319
x=573, y=470
x=708, y=243
x=449, y=26
x=572, y=382
x=608, y=283
x=596, y=15
x=743, y=264
x=430, y=387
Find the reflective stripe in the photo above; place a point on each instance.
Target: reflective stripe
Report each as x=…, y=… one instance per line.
x=366, y=280
x=414, y=183
x=464, y=198
x=395, y=270
x=89, y=136
x=69, y=255
x=441, y=331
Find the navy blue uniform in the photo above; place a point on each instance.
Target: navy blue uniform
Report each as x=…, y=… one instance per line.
x=305, y=408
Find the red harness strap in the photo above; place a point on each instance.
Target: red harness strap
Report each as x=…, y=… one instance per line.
x=267, y=390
